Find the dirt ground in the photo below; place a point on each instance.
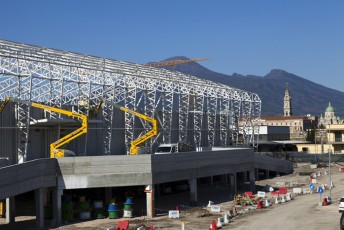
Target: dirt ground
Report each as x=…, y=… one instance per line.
x=303, y=212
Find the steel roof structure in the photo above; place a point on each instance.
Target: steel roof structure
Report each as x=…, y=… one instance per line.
x=60, y=78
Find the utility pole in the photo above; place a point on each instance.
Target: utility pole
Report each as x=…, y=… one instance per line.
x=329, y=159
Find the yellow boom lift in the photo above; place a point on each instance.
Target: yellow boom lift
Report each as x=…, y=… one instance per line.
x=54, y=151
x=134, y=149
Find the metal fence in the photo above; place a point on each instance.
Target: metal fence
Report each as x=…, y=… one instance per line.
x=298, y=157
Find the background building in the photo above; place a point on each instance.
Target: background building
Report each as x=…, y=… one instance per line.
x=298, y=125
x=328, y=136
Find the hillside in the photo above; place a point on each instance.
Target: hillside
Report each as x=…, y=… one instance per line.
x=307, y=97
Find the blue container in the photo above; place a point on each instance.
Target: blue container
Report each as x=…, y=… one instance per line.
x=112, y=207
x=129, y=200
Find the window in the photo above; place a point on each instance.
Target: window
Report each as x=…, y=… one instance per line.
x=338, y=136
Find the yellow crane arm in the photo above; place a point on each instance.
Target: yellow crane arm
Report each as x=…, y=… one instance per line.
x=153, y=132
x=98, y=107
x=175, y=62
x=54, y=151
x=3, y=105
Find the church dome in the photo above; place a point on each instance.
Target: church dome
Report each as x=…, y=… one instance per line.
x=329, y=108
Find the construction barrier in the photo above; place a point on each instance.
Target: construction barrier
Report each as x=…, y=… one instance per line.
x=306, y=191
x=297, y=190
x=267, y=204
x=288, y=196
x=122, y=225
x=219, y=223
x=226, y=219
x=213, y=225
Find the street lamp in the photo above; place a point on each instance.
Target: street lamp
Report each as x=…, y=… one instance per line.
x=329, y=160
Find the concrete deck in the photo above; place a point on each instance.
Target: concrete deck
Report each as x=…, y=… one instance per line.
x=116, y=171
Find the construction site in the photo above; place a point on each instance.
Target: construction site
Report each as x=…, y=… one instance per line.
x=88, y=138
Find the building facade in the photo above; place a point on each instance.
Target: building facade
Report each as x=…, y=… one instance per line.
x=329, y=136
x=298, y=125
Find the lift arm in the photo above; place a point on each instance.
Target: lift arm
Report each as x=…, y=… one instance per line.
x=54, y=151
x=3, y=105
x=151, y=133
x=93, y=113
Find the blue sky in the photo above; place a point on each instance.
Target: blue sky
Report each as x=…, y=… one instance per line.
x=305, y=38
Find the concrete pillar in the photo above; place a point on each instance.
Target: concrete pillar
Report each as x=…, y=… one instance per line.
x=252, y=180
x=150, y=200
x=233, y=185
x=267, y=174
x=39, y=200
x=47, y=197
x=107, y=195
x=193, y=191
x=57, y=206
x=10, y=210
x=257, y=174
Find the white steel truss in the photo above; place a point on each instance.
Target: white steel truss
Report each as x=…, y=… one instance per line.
x=177, y=100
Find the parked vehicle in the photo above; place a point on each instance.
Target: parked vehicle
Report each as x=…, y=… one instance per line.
x=341, y=223
x=173, y=148
x=341, y=205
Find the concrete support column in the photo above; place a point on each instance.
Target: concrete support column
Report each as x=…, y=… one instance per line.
x=39, y=200
x=252, y=180
x=267, y=174
x=108, y=195
x=233, y=185
x=47, y=197
x=150, y=200
x=10, y=210
x=57, y=206
x=193, y=191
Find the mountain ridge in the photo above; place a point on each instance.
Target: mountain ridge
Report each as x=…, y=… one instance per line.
x=307, y=97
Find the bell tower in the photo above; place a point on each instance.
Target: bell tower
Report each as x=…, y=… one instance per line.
x=287, y=103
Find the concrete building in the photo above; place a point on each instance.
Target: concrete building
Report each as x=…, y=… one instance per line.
x=332, y=139
x=274, y=133
x=330, y=117
x=328, y=136
x=298, y=125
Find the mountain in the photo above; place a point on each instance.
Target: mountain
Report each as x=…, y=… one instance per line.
x=307, y=97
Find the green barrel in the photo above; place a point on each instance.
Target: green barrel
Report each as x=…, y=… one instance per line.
x=113, y=214
x=67, y=211
x=98, y=213
x=84, y=206
x=127, y=206
x=48, y=213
